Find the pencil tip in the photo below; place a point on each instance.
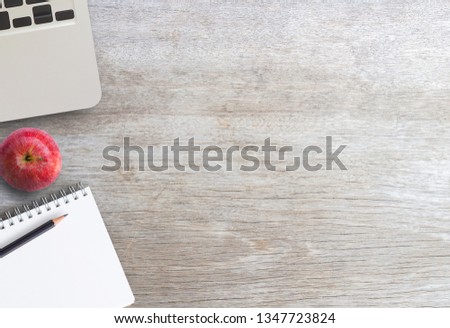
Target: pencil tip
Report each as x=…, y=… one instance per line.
x=58, y=220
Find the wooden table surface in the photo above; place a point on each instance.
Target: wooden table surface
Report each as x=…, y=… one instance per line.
x=373, y=75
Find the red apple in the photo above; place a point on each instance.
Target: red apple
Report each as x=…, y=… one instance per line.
x=30, y=160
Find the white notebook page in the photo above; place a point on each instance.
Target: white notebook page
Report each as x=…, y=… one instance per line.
x=72, y=265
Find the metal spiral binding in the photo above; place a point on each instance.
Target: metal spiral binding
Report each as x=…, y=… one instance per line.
x=18, y=215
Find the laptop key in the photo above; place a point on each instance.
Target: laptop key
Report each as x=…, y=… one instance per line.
x=42, y=14
x=22, y=21
x=5, y=24
x=32, y=2
x=64, y=15
x=13, y=3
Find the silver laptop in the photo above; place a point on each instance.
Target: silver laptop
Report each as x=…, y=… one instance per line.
x=47, y=58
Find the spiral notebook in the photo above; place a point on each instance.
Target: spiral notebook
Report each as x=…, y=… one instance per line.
x=73, y=265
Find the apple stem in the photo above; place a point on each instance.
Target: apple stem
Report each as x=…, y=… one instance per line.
x=28, y=157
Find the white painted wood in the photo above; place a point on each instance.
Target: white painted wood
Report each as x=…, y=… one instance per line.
x=374, y=75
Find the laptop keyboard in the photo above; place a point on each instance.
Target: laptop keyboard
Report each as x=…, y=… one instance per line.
x=17, y=14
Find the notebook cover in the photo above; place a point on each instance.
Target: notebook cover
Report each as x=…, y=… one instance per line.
x=73, y=265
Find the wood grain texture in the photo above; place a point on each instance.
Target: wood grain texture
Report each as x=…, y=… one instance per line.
x=372, y=74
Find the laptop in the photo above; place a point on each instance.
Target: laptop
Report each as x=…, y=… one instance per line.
x=47, y=58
